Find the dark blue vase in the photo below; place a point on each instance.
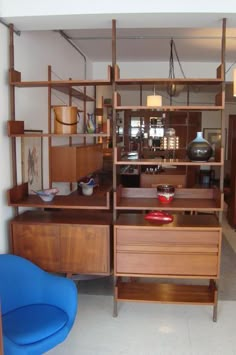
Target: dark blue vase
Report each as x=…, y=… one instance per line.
x=199, y=149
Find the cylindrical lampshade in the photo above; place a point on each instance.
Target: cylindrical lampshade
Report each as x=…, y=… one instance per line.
x=154, y=100
x=234, y=83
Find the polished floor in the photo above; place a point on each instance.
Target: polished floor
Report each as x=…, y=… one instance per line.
x=155, y=329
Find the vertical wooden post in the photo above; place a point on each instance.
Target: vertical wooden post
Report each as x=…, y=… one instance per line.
x=12, y=109
x=223, y=46
x=49, y=125
x=114, y=111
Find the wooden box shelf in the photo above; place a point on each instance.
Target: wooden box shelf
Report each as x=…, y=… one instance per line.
x=18, y=197
x=186, y=199
x=188, y=248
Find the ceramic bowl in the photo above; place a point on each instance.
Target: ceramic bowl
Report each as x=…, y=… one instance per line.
x=47, y=195
x=165, y=193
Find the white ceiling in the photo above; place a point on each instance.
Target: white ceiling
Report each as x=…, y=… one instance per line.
x=142, y=37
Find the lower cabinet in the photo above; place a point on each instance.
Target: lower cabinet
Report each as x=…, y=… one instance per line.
x=188, y=248
x=63, y=242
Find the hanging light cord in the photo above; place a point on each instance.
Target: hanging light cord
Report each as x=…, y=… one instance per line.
x=173, y=46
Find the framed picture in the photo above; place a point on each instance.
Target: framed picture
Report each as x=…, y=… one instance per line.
x=31, y=160
x=213, y=136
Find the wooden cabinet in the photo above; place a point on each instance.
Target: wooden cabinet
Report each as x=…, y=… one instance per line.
x=64, y=242
x=188, y=248
x=71, y=163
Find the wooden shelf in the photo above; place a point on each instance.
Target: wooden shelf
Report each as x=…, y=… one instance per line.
x=218, y=105
x=178, y=81
x=165, y=293
x=16, y=129
x=18, y=196
x=64, y=217
x=119, y=160
x=74, y=93
x=15, y=80
x=207, y=200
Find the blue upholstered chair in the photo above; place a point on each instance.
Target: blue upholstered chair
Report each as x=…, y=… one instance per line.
x=38, y=308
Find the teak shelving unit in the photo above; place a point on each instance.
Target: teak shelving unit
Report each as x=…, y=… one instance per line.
x=63, y=240
x=63, y=235
x=188, y=248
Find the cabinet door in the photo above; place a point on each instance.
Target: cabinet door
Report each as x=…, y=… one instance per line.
x=85, y=249
x=37, y=243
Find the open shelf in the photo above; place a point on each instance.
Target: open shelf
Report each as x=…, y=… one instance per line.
x=15, y=80
x=165, y=293
x=74, y=93
x=181, y=81
x=199, y=199
x=16, y=129
x=18, y=196
x=122, y=159
x=218, y=105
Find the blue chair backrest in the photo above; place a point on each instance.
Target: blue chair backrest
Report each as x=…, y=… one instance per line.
x=20, y=282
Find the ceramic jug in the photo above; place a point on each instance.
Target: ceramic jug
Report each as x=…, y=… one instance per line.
x=90, y=123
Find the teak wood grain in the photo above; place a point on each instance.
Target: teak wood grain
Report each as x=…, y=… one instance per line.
x=63, y=242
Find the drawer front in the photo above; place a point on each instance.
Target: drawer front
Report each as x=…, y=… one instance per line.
x=85, y=249
x=167, y=264
x=146, y=236
x=37, y=243
x=168, y=252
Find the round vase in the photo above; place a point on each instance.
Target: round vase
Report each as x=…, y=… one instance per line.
x=199, y=149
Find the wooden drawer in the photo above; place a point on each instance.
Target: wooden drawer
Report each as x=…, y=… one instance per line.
x=37, y=243
x=167, y=252
x=129, y=236
x=85, y=249
x=167, y=264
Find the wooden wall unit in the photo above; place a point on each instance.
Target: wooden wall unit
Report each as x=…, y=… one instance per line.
x=65, y=239
x=190, y=246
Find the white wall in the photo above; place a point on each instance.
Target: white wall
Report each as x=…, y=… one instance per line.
x=5, y=158
x=34, y=51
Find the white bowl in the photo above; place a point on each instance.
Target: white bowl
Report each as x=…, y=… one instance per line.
x=47, y=195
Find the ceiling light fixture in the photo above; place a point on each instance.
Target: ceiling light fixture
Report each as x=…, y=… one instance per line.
x=154, y=100
x=173, y=89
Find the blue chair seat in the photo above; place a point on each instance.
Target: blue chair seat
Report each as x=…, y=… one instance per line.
x=32, y=323
x=38, y=308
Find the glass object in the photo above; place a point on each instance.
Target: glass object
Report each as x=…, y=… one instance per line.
x=199, y=149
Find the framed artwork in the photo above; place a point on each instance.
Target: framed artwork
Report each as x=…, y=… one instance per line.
x=31, y=160
x=213, y=136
